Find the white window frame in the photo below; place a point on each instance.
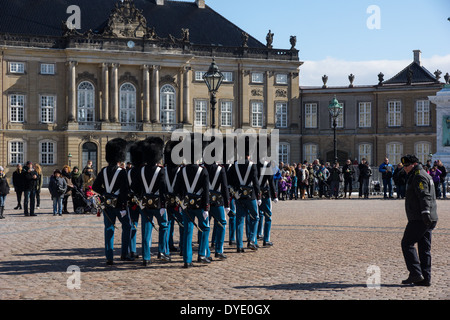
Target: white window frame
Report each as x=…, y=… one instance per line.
x=227, y=76
x=47, y=106
x=257, y=77
x=257, y=114
x=199, y=75
x=201, y=113
x=365, y=114
x=422, y=149
x=310, y=152
x=394, y=152
x=281, y=114
x=310, y=115
x=48, y=68
x=17, y=108
x=48, y=155
x=168, y=105
x=422, y=113
x=226, y=113
x=16, y=157
x=394, y=113
x=17, y=67
x=86, y=112
x=127, y=109
x=281, y=78
x=284, y=152
x=365, y=151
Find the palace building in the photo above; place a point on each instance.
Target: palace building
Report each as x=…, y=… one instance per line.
x=77, y=73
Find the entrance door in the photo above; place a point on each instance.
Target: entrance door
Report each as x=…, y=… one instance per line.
x=89, y=152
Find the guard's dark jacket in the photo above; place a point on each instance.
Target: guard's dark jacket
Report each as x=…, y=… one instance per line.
x=251, y=180
x=137, y=184
x=221, y=181
x=267, y=179
x=420, y=195
x=202, y=183
x=121, y=184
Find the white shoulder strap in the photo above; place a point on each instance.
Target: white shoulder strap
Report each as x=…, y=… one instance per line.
x=243, y=181
x=149, y=188
x=108, y=186
x=216, y=177
x=191, y=188
x=263, y=172
x=170, y=186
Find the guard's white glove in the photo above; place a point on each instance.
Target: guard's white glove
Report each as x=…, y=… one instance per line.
x=162, y=211
x=259, y=202
x=205, y=214
x=275, y=200
x=227, y=210
x=123, y=213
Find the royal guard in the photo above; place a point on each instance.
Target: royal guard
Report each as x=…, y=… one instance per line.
x=112, y=185
x=152, y=190
x=192, y=190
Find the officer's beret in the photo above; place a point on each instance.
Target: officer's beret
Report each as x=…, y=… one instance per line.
x=115, y=150
x=409, y=159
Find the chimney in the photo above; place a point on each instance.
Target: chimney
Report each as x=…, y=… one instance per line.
x=159, y=2
x=200, y=3
x=417, y=57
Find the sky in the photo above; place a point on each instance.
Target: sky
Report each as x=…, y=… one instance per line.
x=340, y=37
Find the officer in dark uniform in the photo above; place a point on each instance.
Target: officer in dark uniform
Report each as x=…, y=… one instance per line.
x=421, y=211
x=268, y=195
x=112, y=185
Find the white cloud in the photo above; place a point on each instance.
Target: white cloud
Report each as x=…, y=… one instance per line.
x=365, y=72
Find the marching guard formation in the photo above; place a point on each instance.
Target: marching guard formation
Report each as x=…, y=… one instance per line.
x=163, y=195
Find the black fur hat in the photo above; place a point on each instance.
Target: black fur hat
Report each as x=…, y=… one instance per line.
x=168, y=153
x=153, y=150
x=115, y=150
x=136, y=153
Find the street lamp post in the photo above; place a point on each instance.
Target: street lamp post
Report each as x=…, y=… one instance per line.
x=335, y=109
x=213, y=79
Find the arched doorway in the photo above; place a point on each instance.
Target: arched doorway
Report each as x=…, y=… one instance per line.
x=89, y=152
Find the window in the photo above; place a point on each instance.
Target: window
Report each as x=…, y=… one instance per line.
x=17, y=108
x=281, y=78
x=281, y=114
x=86, y=102
x=394, y=151
x=127, y=103
x=365, y=151
x=226, y=113
x=47, y=152
x=311, y=115
x=283, y=152
x=17, y=67
x=199, y=75
x=48, y=107
x=422, y=150
x=422, y=113
x=365, y=114
x=47, y=68
x=200, y=112
x=339, y=119
x=394, y=113
x=16, y=152
x=227, y=76
x=310, y=152
x=257, y=77
x=257, y=114
x=167, y=102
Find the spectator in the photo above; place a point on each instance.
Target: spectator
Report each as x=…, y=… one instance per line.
x=303, y=179
x=443, y=179
x=57, y=187
x=40, y=180
x=435, y=173
x=30, y=184
x=4, y=191
x=336, y=179
x=66, y=174
x=18, y=184
x=311, y=180
x=349, y=172
x=365, y=172
x=386, y=170
x=323, y=175
x=282, y=186
x=294, y=183
x=88, y=177
x=400, y=177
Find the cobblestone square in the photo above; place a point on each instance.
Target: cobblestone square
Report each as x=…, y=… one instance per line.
x=323, y=250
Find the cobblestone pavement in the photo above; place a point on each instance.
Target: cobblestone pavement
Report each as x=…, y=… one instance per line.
x=323, y=249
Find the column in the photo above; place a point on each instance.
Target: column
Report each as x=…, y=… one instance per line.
x=72, y=98
x=115, y=92
x=186, y=95
x=105, y=97
x=146, y=91
x=155, y=94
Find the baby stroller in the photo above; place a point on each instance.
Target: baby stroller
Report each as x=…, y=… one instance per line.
x=88, y=202
x=328, y=192
x=376, y=187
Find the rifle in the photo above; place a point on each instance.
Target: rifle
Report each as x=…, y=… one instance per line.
x=182, y=206
x=100, y=205
x=139, y=203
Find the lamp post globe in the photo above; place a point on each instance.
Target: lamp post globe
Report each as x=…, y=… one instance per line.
x=213, y=79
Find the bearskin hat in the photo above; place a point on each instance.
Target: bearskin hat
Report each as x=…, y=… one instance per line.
x=153, y=150
x=115, y=150
x=168, y=152
x=136, y=153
